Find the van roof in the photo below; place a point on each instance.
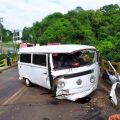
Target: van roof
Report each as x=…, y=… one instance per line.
x=55, y=48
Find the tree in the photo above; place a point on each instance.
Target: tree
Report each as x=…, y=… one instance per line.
x=6, y=34
x=110, y=9
x=25, y=34
x=57, y=32
x=105, y=49
x=100, y=28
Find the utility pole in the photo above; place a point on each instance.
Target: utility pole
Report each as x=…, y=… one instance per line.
x=1, y=20
x=14, y=40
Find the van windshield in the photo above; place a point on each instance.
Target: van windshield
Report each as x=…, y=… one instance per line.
x=73, y=60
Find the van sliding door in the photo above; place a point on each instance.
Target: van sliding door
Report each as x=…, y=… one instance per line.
x=40, y=70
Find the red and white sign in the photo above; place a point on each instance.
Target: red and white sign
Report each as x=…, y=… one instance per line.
x=23, y=45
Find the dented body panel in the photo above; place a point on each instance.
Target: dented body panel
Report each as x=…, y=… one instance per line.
x=77, y=83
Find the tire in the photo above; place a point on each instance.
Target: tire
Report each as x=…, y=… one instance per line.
x=27, y=82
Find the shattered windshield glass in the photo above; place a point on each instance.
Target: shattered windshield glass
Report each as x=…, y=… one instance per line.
x=76, y=59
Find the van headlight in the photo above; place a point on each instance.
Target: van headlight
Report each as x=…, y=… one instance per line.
x=92, y=79
x=61, y=84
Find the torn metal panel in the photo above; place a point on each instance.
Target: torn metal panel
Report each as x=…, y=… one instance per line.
x=113, y=97
x=77, y=84
x=115, y=80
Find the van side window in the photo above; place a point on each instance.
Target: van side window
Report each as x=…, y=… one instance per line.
x=39, y=59
x=25, y=58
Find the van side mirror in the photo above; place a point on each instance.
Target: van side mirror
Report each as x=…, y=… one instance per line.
x=98, y=57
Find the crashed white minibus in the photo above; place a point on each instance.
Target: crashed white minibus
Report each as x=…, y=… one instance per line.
x=70, y=71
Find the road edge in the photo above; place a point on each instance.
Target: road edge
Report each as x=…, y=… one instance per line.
x=7, y=67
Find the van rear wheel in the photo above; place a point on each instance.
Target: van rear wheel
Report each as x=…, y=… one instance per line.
x=27, y=82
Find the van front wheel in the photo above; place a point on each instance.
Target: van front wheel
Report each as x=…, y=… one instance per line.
x=27, y=82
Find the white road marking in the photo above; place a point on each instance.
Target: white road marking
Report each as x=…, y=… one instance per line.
x=11, y=99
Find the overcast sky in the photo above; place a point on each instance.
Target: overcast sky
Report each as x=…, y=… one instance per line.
x=17, y=14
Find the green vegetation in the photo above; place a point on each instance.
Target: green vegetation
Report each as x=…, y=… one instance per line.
x=8, y=44
x=100, y=28
x=6, y=34
x=2, y=56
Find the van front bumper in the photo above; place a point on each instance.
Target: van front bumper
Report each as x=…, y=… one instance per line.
x=75, y=96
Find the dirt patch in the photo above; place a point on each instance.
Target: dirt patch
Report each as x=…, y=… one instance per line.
x=55, y=101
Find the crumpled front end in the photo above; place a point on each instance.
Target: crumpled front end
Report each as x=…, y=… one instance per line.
x=65, y=94
x=76, y=87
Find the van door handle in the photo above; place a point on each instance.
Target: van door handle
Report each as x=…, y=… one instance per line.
x=44, y=73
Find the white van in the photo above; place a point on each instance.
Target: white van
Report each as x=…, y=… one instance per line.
x=70, y=71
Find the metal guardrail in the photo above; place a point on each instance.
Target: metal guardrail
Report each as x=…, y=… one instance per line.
x=106, y=67
x=4, y=62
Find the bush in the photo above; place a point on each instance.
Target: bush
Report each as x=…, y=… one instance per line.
x=2, y=56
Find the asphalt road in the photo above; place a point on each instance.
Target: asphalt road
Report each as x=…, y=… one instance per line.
x=18, y=102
